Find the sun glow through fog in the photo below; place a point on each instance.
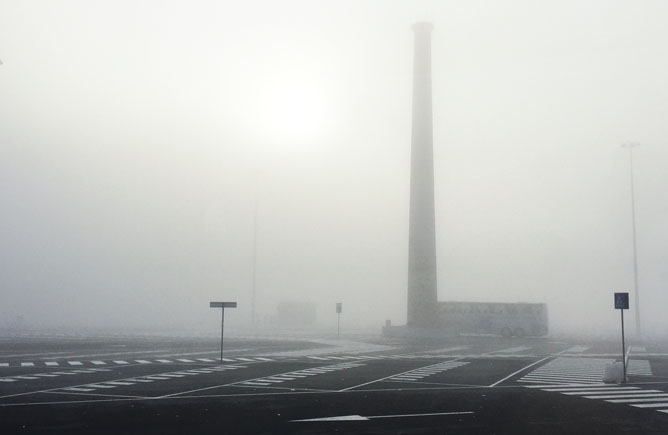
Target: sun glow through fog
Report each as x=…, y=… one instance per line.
x=294, y=113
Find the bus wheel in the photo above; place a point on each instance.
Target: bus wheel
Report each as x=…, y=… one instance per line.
x=519, y=332
x=506, y=332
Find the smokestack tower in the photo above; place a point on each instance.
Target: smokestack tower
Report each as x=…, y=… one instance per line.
x=422, y=288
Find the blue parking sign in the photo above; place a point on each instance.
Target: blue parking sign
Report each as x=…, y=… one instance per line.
x=621, y=301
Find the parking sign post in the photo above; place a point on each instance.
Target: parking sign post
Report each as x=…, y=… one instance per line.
x=222, y=305
x=621, y=304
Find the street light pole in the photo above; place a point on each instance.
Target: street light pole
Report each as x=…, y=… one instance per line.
x=630, y=147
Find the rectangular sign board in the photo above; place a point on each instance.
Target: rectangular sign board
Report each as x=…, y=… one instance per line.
x=339, y=307
x=222, y=305
x=621, y=301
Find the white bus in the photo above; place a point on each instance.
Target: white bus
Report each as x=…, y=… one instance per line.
x=506, y=319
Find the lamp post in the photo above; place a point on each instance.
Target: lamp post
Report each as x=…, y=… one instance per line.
x=630, y=147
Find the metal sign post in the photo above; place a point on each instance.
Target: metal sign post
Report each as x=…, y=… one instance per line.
x=222, y=305
x=622, y=303
x=339, y=308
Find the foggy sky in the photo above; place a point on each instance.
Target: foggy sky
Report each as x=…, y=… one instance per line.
x=137, y=139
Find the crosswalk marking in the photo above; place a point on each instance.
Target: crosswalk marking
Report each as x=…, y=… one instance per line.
x=98, y=363
x=164, y=361
x=421, y=373
x=83, y=390
x=121, y=362
x=27, y=364
x=290, y=376
x=547, y=379
x=185, y=360
x=143, y=361
x=51, y=363
x=100, y=386
x=75, y=363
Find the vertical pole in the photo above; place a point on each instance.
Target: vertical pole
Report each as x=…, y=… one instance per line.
x=623, y=348
x=222, y=329
x=635, y=248
x=254, y=260
x=338, y=326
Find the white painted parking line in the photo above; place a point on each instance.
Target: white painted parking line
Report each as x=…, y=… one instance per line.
x=120, y=362
x=646, y=399
x=652, y=405
x=27, y=364
x=142, y=361
x=356, y=417
x=590, y=388
x=627, y=396
x=99, y=363
x=75, y=363
x=51, y=363
x=592, y=392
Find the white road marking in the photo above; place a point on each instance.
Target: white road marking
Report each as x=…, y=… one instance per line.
x=588, y=388
x=264, y=359
x=4, y=364
x=518, y=371
x=356, y=417
x=155, y=378
x=164, y=361
x=46, y=375
x=7, y=380
x=652, y=405
x=27, y=364
x=99, y=386
x=185, y=360
x=143, y=361
x=75, y=363
x=78, y=389
x=25, y=377
x=51, y=363
x=99, y=363
x=262, y=384
x=511, y=350
x=650, y=399
x=206, y=359
x=245, y=359
x=120, y=362
x=629, y=396
x=118, y=383
x=592, y=392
